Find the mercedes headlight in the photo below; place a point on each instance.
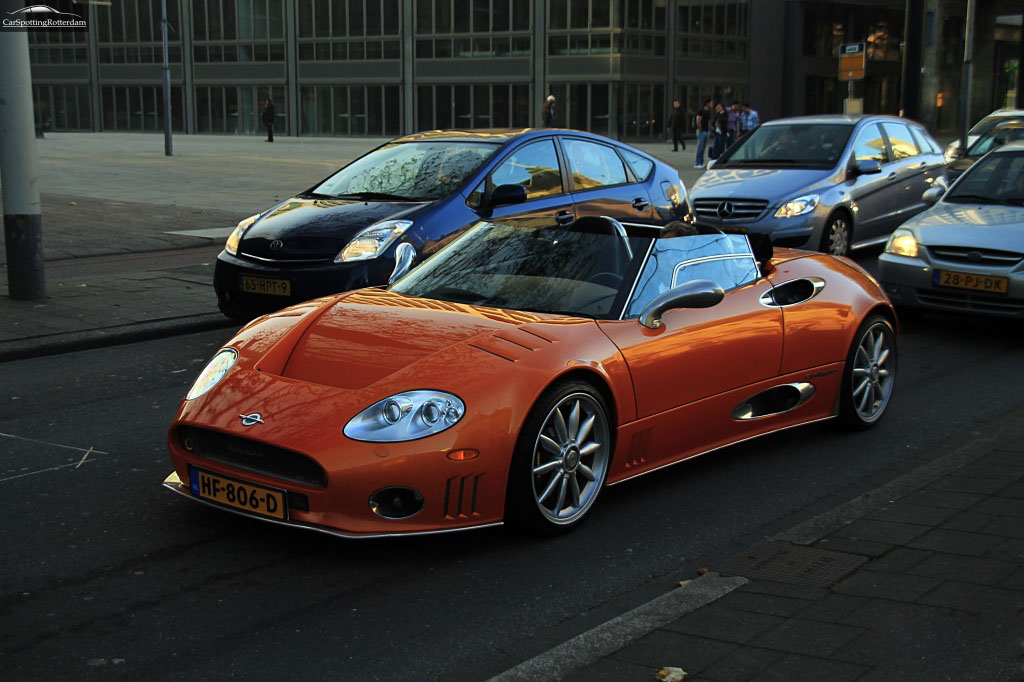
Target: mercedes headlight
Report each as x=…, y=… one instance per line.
x=371, y=242
x=236, y=235
x=213, y=373
x=406, y=416
x=902, y=243
x=799, y=206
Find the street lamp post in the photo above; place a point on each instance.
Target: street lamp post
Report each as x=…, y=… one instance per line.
x=965, y=77
x=168, y=146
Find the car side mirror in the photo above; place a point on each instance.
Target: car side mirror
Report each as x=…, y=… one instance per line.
x=867, y=167
x=507, y=194
x=932, y=195
x=700, y=293
x=405, y=254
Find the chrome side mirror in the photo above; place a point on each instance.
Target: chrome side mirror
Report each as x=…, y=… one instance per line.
x=867, y=167
x=405, y=254
x=932, y=195
x=700, y=293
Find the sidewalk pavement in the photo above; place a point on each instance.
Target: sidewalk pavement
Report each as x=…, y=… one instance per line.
x=920, y=579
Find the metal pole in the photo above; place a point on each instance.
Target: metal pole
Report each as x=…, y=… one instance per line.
x=168, y=145
x=965, y=77
x=19, y=173
x=910, y=86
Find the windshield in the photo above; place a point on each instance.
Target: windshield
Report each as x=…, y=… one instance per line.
x=815, y=145
x=996, y=179
x=996, y=137
x=411, y=171
x=534, y=267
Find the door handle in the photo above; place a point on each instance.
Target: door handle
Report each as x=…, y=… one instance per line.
x=641, y=204
x=892, y=176
x=564, y=217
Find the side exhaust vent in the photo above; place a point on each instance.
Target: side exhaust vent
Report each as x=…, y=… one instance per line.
x=460, y=496
x=774, y=401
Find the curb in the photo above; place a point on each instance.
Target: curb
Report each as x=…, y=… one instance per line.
x=70, y=342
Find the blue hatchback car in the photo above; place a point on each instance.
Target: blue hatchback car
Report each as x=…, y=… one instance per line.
x=422, y=190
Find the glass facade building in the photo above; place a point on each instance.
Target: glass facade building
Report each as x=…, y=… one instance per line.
x=386, y=67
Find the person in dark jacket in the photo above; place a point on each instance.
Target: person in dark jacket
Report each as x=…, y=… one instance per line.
x=676, y=123
x=548, y=113
x=269, y=115
x=720, y=126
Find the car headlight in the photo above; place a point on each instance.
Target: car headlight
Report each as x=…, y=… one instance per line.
x=902, y=243
x=798, y=206
x=406, y=416
x=372, y=241
x=236, y=235
x=213, y=373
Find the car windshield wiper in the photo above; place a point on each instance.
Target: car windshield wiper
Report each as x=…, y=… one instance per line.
x=570, y=313
x=319, y=195
x=788, y=162
x=979, y=199
x=378, y=196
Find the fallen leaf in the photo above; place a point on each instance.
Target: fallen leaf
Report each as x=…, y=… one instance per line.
x=72, y=203
x=670, y=675
x=703, y=571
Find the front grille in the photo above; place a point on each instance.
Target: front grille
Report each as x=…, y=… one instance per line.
x=252, y=456
x=970, y=302
x=730, y=209
x=969, y=256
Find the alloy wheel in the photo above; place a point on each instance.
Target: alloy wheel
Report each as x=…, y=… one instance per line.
x=874, y=370
x=570, y=458
x=839, y=237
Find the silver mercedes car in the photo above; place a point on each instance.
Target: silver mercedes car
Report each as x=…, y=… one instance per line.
x=965, y=253
x=825, y=183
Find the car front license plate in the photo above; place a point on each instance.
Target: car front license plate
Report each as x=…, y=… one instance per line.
x=231, y=492
x=988, y=284
x=265, y=285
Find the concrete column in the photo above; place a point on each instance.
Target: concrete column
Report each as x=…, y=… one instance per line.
x=670, y=92
x=187, y=78
x=19, y=173
x=291, y=56
x=931, y=64
x=92, y=46
x=408, y=67
x=540, y=60
x=910, y=90
x=983, y=61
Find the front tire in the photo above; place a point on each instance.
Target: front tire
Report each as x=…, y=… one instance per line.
x=869, y=374
x=837, y=235
x=561, y=460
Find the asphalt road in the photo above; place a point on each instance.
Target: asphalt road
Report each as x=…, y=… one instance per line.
x=103, y=573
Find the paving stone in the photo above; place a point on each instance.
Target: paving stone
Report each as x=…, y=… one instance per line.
x=969, y=521
x=812, y=638
x=832, y=607
x=961, y=484
x=879, y=584
x=975, y=598
x=907, y=512
x=886, y=615
x=612, y=670
x=1010, y=550
x=1014, y=581
x=784, y=589
x=795, y=668
x=742, y=664
x=1001, y=506
x=956, y=542
x=1007, y=526
x=944, y=498
x=968, y=569
x=848, y=546
x=763, y=603
x=881, y=531
x=899, y=560
x=728, y=625
x=692, y=654
x=1015, y=490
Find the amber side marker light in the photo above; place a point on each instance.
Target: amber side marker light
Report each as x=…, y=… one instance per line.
x=463, y=455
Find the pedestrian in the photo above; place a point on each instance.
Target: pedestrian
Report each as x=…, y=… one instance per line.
x=548, y=113
x=269, y=115
x=749, y=119
x=719, y=126
x=733, y=133
x=702, y=121
x=676, y=123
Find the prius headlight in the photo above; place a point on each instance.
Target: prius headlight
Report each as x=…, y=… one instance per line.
x=371, y=242
x=902, y=243
x=236, y=235
x=213, y=373
x=406, y=416
x=799, y=206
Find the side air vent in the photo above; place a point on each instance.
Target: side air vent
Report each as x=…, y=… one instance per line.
x=460, y=496
x=774, y=401
x=792, y=292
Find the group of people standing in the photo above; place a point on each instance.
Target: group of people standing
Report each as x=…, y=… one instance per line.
x=721, y=124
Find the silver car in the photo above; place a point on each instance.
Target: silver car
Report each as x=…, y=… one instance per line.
x=966, y=253
x=825, y=183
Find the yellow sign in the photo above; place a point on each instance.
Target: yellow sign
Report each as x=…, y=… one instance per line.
x=852, y=62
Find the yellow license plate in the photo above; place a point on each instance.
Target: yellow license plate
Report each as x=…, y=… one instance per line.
x=266, y=285
x=988, y=284
x=255, y=499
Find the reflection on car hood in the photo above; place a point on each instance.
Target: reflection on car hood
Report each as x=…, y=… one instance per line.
x=774, y=184
x=370, y=334
x=315, y=228
x=976, y=225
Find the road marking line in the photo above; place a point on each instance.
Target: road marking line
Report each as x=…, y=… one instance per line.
x=56, y=445
x=82, y=461
x=41, y=471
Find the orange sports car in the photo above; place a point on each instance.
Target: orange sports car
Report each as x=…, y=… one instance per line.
x=520, y=370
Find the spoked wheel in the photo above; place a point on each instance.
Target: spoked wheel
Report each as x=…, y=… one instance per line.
x=869, y=375
x=561, y=460
x=835, y=238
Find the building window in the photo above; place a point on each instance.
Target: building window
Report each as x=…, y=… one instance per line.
x=350, y=110
x=129, y=32
x=712, y=29
x=474, y=29
x=139, y=108
x=62, y=107
x=349, y=30
x=238, y=109
x=439, y=107
x=238, y=30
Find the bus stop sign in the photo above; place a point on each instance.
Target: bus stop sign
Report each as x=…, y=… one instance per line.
x=852, y=62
